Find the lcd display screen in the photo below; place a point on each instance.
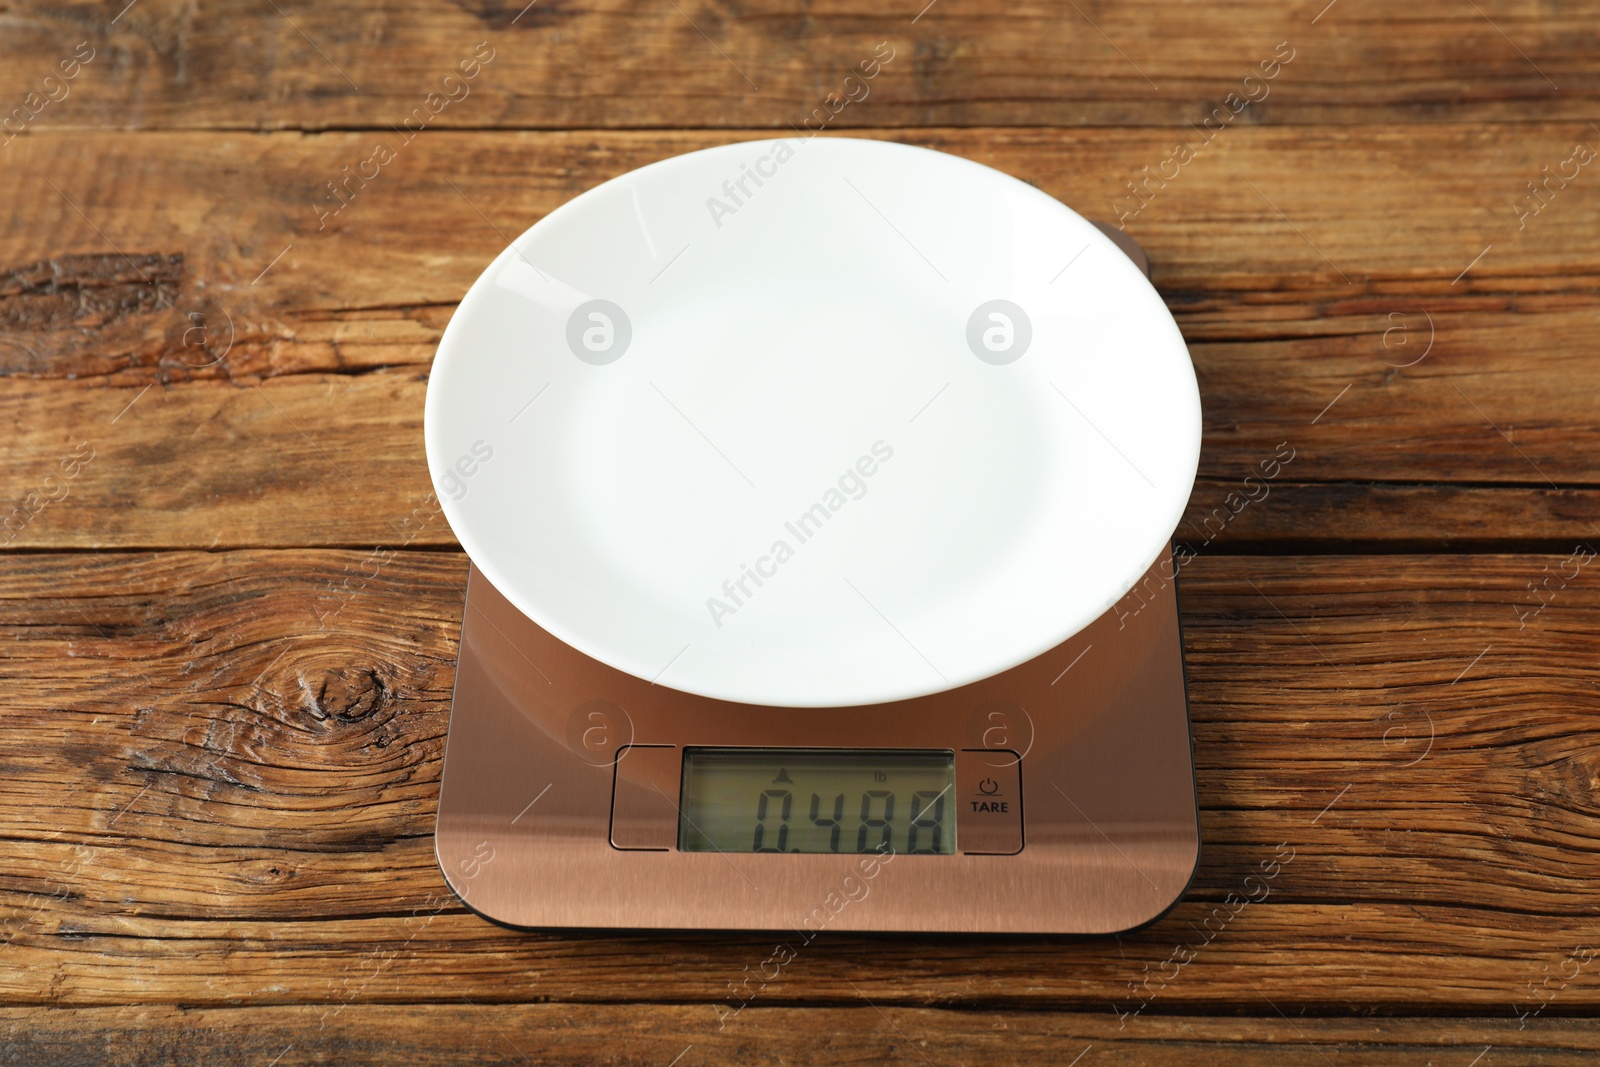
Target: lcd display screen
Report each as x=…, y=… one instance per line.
x=818, y=800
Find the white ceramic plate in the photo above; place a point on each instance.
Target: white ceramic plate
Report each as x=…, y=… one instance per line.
x=813, y=422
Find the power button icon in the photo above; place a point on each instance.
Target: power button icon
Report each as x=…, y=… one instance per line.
x=988, y=787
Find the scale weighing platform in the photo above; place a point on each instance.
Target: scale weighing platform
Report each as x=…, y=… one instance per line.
x=1057, y=797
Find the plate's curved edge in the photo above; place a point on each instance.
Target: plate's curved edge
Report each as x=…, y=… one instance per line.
x=1131, y=248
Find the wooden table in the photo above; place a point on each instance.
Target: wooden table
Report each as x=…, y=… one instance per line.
x=230, y=606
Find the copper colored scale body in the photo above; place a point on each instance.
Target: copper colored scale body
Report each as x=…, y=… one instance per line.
x=1074, y=789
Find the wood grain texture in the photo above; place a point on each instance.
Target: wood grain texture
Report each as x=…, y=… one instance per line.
x=254, y=65
x=1342, y=517
x=229, y=606
x=223, y=769
x=651, y=1035
x=251, y=462
x=1393, y=217
x=278, y=369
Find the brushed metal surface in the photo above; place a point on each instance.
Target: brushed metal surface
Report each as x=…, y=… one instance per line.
x=1110, y=830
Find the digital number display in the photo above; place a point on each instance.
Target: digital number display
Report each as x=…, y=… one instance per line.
x=817, y=800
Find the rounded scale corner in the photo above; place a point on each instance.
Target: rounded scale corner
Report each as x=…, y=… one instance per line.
x=1166, y=909
x=504, y=924
x=441, y=839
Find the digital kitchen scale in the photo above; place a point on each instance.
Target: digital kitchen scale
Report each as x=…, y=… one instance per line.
x=758, y=636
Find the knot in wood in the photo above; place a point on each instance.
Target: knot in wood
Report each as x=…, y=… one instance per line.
x=351, y=694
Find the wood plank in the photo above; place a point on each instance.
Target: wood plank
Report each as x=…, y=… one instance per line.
x=252, y=462
x=223, y=227
x=1394, y=216
x=295, y=459
x=253, y=65
x=222, y=771
x=652, y=1035
x=1343, y=517
x=1345, y=959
